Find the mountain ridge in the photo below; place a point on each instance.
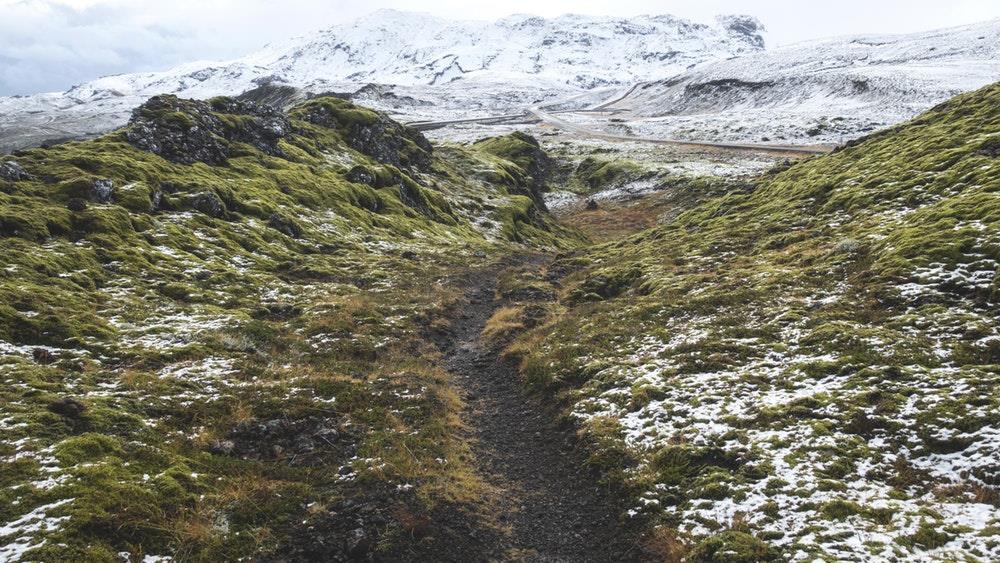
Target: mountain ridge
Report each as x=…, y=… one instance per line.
x=525, y=55
x=822, y=90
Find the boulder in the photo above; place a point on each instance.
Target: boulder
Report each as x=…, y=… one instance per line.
x=262, y=125
x=361, y=175
x=189, y=131
x=67, y=407
x=77, y=204
x=209, y=204
x=102, y=191
x=11, y=171
x=533, y=163
x=284, y=225
x=43, y=356
x=371, y=133
x=181, y=131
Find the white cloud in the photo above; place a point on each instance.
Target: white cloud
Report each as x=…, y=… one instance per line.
x=49, y=45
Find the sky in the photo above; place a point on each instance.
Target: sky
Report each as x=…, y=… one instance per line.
x=50, y=45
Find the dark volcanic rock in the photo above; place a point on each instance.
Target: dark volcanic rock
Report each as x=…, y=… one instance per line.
x=990, y=148
x=361, y=175
x=42, y=356
x=11, y=171
x=209, y=204
x=264, y=128
x=221, y=447
x=526, y=152
x=181, y=131
x=372, y=133
x=279, y=438
x=156, y=201
x=189, y=131
x=102, y=191
x=68, y=407
x=284, y=225
x=385, y=140
x=77, y=204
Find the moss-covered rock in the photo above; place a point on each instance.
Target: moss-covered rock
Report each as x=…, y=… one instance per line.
x=369, y=132
x=532, y=165
x=732, y=547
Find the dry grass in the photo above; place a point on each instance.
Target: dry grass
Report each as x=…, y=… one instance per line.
x=666, y=544
x=615, y=220
x=505, y=322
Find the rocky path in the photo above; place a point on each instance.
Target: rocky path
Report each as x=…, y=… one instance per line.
x=552, y=504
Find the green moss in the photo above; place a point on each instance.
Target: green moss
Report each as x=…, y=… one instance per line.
x=840, y=509
x=843, y=274
x=927, y=536
x=86, y=447
x=731, y=546
x=181, y=325
x=599, y=173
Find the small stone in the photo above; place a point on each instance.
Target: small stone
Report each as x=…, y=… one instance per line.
x=77, y=204
x=12, y=171
x=328, y=435
x=358, y=543
x=102, y=191
x=361, y=175
x=209, y=204
x=284, y=225
x=156, y=201
x=221, y=447
x=591, y=205
x=68, y=407
x=43, y=356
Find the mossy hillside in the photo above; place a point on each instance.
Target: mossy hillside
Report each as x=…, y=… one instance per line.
x=368, y=131
x=807, y=358
x=591, y=169
x=218, y=361
x=531, y=168
x=594, y=173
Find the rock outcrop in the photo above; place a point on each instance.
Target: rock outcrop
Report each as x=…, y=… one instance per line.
x=189, y=131
x=371, y=133
x=11, y=171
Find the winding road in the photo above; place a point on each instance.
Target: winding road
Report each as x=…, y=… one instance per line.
x=565, y=125
x=549, y=117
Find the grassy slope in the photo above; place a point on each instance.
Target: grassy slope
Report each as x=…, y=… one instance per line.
x=806, y=366
x=245, y=392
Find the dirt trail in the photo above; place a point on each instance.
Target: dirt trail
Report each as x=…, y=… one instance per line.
x=553, y=505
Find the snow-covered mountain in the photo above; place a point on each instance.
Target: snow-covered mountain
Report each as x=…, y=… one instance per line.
x=518, y=57
x=820, y=91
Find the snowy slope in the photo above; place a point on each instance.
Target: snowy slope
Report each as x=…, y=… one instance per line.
x=516, y=58
x=821, y=90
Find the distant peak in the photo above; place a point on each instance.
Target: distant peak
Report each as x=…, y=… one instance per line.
x=745, y=26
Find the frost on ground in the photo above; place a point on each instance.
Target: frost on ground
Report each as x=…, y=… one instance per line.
x=813, y=360
x=853, y=462
x=815, y=92
x=214, y=358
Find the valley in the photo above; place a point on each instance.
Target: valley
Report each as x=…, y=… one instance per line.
x=398, y=291
x=424, y=362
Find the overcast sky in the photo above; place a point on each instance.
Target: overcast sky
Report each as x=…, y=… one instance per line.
x=49, y=45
